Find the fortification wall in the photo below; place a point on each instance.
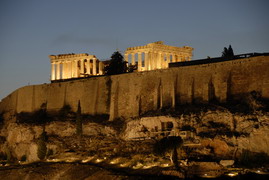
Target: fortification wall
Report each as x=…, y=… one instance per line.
x=129, y=95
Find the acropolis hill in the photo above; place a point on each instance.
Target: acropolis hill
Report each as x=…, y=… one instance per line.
x=99, y=126
x=132, y=94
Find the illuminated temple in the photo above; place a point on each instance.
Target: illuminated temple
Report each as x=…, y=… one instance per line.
x=156, y=55
x=149, y=57
x=68, y=66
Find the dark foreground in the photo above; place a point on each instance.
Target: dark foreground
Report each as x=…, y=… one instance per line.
x=79, y=171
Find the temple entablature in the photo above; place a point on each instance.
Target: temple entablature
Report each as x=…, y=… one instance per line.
x=68, y=66
x=157, y=55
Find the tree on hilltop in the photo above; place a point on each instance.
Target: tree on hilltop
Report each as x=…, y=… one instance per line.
x=117, y=64
x=228, y=53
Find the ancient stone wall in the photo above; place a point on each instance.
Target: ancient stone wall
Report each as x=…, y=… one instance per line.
x=129, y=95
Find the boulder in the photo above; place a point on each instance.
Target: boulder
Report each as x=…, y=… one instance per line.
x=226, y=163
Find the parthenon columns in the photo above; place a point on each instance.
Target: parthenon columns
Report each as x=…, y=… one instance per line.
x=156, y=55
x=146, y=60
x=82, y=67
x=133, y=58
x=101, y=67
x=153, y=59
x=68, y=66
x=94, y=66
x=88, y=70
x=52, y=71
x=139, y=61
x=58, y=71
x=75, y=68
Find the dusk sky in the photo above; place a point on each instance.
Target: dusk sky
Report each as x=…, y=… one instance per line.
x=33, y=29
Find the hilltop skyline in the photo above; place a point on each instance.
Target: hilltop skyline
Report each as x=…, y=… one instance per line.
x=33, y=30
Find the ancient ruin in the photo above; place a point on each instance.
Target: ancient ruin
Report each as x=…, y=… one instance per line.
x=152, y=56
x=156, y=55
x=67, y=66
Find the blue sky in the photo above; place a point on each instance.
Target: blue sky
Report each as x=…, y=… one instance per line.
x=33, y=29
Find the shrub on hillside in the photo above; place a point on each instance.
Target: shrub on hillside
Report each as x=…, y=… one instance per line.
x=41, y=146
x=169, y=145
x=37, y=117
x=79, y=121
x=65, y=112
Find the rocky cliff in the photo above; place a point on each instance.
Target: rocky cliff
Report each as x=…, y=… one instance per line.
x=124, y=116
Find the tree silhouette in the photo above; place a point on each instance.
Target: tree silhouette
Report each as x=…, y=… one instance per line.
x=117, y=64
x=79, y=121
x=41, y=145
x=228, y=53
x=169, y=145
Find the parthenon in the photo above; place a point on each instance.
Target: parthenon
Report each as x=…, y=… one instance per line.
x=156, y=55
x=67, y=66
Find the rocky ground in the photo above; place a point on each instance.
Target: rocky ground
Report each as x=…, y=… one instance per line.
x=125, y=148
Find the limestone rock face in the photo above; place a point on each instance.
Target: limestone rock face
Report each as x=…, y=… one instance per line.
x=22, y=133
x=226, y=163
x=141, y=127
x=251, y=130
x=61, y=129
x=220, y=147
x=258, y=141
x=93, y=129
x=21, y=139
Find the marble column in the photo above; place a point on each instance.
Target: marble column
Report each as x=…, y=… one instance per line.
x=73, y=68
x=82, y=68
x=52, y=77
x=75, y=72
x=65, y=70
x=152, y=60
x=94, y=66
x=88, y=66
x=146, y=61
x=100, y=68
x=139, y=61
x=58, y=73
x=133, y=58
x=149, y=61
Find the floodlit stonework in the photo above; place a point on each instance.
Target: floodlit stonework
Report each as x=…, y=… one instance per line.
x=152, y=56
x=132, y=94
x=67, y=66
x=157, y=55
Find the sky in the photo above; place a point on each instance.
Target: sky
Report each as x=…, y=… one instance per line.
x=31, y=30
